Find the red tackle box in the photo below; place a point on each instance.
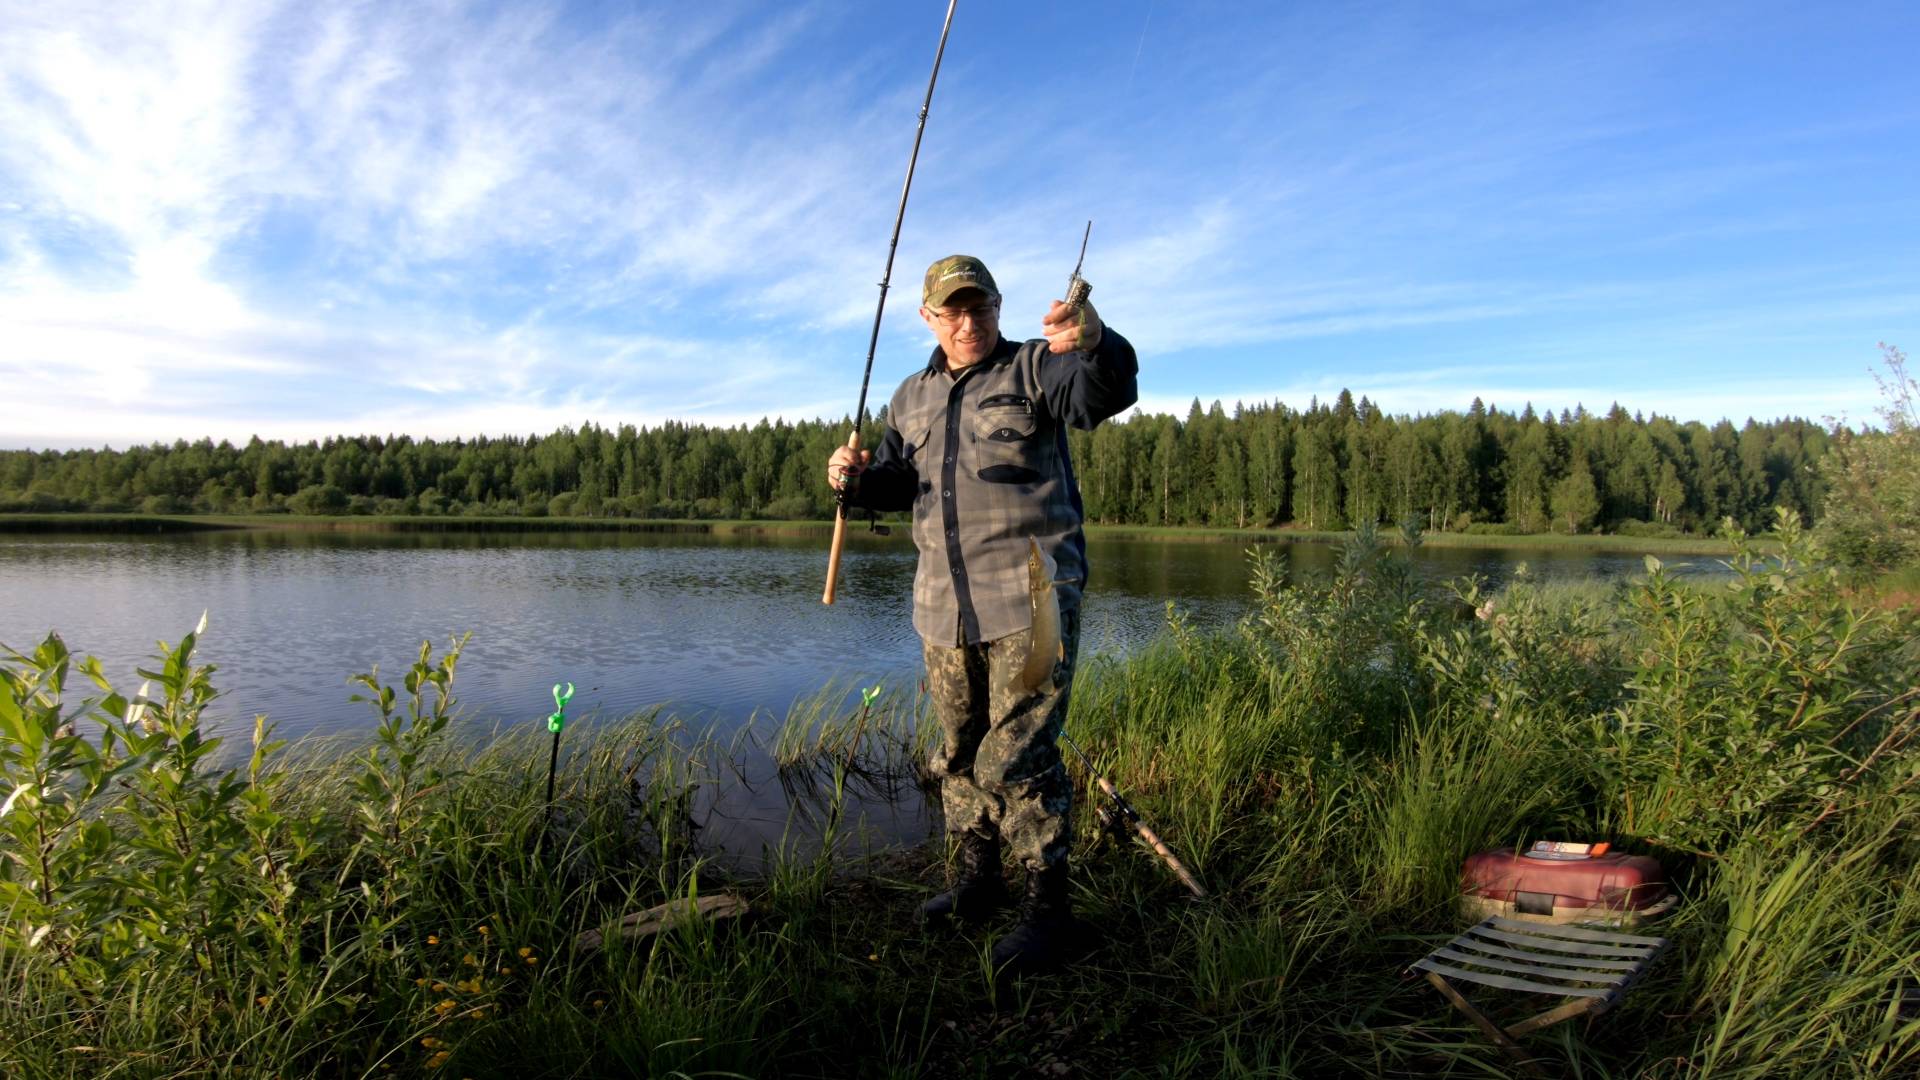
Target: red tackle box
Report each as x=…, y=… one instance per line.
x=1561, y=882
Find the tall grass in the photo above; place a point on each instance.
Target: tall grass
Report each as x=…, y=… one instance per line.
x=410, y=906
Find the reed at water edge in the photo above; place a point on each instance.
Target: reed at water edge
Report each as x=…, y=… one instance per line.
x=409, y=906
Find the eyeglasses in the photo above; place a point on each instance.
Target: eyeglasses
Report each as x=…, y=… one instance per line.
x=981, y=313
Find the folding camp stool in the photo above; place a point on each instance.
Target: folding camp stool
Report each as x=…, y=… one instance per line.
x=1594, y=968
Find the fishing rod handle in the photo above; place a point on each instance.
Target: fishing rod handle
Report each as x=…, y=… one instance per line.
x=1173, y=862
x=839, y=531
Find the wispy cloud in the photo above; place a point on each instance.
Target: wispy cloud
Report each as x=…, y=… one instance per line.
x=455, y=203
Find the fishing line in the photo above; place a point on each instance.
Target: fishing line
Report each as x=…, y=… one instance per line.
x=1136, y=49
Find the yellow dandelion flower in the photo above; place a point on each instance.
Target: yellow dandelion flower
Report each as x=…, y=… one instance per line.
x=263, y=1000
x=598, y=1003
x=506, y=971
x=433, y=939
x=432, y=1043
x=421, y=981
x=525, y=952
x=446, y=1007
x=484, y=931
x=439, y=1059
x=439, y=988
x=470, y=960
x=533, y=959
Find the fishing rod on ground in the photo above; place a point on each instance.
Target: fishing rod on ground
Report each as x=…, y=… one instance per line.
x=1121, y=814
x=873, y=341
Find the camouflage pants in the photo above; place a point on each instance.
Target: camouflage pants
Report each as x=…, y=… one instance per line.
x=999, y=768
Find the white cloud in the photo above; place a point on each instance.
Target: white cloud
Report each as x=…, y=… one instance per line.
x=467, y=188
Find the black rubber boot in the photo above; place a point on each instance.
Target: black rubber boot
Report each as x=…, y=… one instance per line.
x=978, y=890
x=1048, y=936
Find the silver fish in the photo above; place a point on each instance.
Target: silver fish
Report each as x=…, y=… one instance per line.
x=1046, y=650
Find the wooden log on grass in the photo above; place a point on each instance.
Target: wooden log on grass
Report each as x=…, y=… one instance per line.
x=711, y=908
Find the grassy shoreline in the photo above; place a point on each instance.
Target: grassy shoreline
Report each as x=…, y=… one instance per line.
x=412, y=907
x=155, y=523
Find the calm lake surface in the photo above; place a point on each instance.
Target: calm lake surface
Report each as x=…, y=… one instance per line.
x=716, y=627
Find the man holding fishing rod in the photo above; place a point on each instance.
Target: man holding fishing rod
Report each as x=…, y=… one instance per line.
x=976, y=447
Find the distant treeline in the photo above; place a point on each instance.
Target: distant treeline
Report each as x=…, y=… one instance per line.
x=1327, y=467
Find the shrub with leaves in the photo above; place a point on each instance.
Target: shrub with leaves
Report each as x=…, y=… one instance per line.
x=1754, y=705
x=55, y=866
x=1871, y=517
x=131, y=843
x=400, y=773
x=1342, y=650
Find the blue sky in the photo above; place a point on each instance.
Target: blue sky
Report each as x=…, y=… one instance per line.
x=452, y=219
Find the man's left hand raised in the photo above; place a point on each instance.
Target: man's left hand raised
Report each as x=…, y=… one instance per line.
x=1068, y=328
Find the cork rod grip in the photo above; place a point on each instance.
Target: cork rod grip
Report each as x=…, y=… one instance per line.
x=839, y=534
x=1173, y=862
x=1159, y=846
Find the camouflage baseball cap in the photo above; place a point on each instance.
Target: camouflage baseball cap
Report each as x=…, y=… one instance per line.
x=953, y=273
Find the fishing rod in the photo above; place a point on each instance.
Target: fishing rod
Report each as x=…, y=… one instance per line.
x=1122, y=814
x=873, y=341
x=1078, y=288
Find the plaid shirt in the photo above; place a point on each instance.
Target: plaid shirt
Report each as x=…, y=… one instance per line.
x=981, y=459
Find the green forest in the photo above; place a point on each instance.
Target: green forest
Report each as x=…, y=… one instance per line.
x=1330, y=466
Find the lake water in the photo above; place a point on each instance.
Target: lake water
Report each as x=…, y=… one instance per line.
x=715, y=626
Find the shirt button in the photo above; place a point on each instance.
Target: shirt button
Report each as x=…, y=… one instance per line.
x=949, y=461
x=948, y=494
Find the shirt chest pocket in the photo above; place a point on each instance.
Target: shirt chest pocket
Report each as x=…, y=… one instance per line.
x=1006, y=441
x=914, y=430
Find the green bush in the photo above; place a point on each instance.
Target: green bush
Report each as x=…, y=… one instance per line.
x=1654, y=529
x=318, y=499
x=670, y=508
x=793, y=508
x=1871, y=518
x=37, y=502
